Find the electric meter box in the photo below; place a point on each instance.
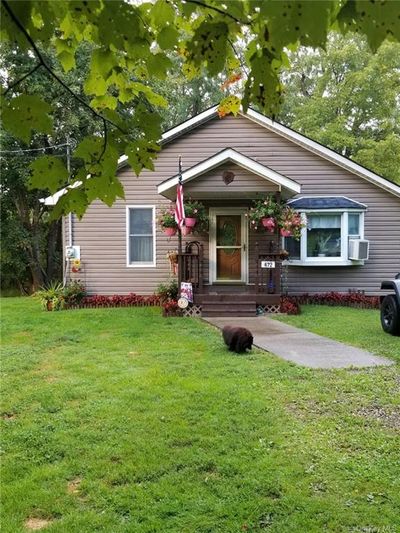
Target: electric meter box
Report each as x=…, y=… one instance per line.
x=73, y=252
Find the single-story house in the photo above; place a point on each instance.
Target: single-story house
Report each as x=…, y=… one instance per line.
x=227, y=163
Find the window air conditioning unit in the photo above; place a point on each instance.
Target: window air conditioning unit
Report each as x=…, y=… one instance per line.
x=358, y=249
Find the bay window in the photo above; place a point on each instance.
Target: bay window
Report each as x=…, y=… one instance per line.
x=140, y=228
x=324, y=235
x=329, y=223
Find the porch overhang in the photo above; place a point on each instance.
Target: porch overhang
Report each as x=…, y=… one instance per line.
x=283, y=184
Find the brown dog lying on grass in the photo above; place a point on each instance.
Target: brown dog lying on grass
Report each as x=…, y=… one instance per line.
x=237, y=339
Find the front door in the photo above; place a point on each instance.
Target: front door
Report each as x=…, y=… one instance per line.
x=228, y=250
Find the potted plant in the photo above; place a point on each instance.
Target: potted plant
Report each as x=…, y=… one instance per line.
x=322, y=242
x=290, y=223
x=186, y=230
x=273, y=215
x=195, y=215
x=264, y=212
x=167, y=222
x=51, y=297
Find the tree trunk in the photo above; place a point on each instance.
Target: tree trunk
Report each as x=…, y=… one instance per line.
x=53, y=245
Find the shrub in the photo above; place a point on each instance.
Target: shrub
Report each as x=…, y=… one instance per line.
x=290, y=306
x=74, y=292
x=171, y=308
x=168, y=291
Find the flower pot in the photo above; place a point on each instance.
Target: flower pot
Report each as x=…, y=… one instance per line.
x=285, y=232
x=268, y=223
x=185, y=230
x=190, y=222
x=169, y=232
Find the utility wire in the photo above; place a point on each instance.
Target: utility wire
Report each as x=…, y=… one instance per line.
x=33, y=149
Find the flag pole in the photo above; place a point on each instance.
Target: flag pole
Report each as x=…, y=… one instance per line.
x=180, y=262
x=179, y=227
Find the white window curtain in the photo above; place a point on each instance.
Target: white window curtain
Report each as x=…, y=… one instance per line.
x=354, y=224
x=323, y=221
x=141, y=235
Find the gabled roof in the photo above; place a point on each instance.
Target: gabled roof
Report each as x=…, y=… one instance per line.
x=277, y=128
x=230, y=155
x=325, y=202
x=288, y=133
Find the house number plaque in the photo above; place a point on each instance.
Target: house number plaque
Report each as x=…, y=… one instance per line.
x=267, y=264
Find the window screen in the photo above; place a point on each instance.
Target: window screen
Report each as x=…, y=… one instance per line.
x=141, y=235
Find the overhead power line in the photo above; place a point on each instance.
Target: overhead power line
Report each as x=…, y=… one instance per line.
x=33, y=149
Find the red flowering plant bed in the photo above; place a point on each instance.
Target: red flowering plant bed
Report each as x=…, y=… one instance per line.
x=290, y=306
x=117, y=300
x=350, y=299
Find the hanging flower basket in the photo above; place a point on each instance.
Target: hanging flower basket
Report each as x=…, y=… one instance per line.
x=276, y=216
x=196, y=215
x=169, y=232
x=167, y=222
x=190, y=222
x=269, y=224
x=185, y=230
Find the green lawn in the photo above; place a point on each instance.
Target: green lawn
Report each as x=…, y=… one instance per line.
x=122, y=421
x=359, y=327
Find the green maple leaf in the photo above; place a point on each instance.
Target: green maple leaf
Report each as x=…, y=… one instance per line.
x=89, y=149
x=141, y=154
x=263, y=86
x=65, y=53
x=288, y=22
x=168, y=37
x=75, y=201
x=230, y=104
x=48, y=172
x=25, y=113
x=209, y=44
x=377, y=20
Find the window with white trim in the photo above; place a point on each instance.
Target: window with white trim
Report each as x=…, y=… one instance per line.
x=325, y=237
x=140, y=236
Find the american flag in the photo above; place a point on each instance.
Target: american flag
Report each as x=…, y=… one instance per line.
x=179, y=207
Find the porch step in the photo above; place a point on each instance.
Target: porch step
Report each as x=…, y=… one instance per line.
x=226, y=307
x=224, y=298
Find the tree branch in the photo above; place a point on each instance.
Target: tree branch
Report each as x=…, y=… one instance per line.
x=22, y=79
x=43, y=63
x=105, y=139
x=244, y=68
x=221, y=11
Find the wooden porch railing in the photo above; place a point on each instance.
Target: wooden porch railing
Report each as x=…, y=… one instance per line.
x=190, y=265
x=268, y=278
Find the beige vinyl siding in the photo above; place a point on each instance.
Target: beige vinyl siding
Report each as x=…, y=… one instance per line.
x=211, y=183
x=102, y=231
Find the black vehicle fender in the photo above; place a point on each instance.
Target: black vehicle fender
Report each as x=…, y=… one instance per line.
x=392, y=285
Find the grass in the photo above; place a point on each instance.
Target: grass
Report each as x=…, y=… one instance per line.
x=358, y=327
x=121, y=421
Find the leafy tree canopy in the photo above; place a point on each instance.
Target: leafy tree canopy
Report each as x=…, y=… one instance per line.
x=132, y=44
x=347, y=98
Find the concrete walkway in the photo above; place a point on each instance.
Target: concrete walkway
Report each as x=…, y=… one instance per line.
x=300, y=346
